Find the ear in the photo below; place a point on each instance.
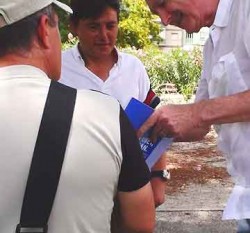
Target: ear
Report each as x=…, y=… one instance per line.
x=43, y=31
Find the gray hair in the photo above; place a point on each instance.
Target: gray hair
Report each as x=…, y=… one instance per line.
x=18, y=36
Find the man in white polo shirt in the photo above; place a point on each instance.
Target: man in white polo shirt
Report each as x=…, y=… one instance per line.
x=94, y=63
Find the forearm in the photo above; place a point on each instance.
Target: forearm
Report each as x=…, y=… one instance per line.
x=161, y=163
x=228, y=109
x=137, y=210
x=158, y=185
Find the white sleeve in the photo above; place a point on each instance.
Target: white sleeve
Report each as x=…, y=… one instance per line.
x=202, y=90
x=144, y=82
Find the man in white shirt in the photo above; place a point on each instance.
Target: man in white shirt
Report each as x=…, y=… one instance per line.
x=223, y=96
x=94, y=63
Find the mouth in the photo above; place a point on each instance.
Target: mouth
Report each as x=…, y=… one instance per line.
x=103, y=45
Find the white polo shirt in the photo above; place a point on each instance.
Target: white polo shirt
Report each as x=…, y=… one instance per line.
x=128, y=77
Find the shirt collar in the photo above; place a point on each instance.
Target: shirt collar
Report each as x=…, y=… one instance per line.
x=23, y=71
x=223, y=13
x=119, y=55
x=221, y=20
x=77, y=56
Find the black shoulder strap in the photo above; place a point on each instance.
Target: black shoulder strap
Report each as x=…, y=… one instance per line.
x=47, y=159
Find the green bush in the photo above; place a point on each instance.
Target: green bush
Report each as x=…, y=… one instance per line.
x=70, y=42
x=180, y=67
x=137, y=26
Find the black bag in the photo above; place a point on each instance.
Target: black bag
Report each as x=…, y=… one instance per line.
x=47, y=159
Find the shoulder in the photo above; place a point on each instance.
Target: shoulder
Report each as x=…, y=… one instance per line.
x=126, y=57
x=68, y=53
x=98, y=102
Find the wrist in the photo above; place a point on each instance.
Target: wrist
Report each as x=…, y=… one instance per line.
x=201, y=114
x=161, y=163
x=162, y=174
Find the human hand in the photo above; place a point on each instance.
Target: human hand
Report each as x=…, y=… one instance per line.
x=182, y=122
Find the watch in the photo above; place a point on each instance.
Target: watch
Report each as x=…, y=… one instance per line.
x=163, y=174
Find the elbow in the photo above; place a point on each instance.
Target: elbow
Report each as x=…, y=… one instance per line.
x=159, y=200
x=142, y=225
x=150, y=228
x=158, y=187
x=147, y=227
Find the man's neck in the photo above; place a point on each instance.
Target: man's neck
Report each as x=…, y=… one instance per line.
x=100, y=66
x=20, y=58
x=89, y=58
x=14, y=59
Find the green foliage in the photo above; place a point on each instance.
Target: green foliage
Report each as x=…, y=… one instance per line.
x=70, y=42
x=137, y=26
x=63, y=22
x=178, y=66
x=187, y=70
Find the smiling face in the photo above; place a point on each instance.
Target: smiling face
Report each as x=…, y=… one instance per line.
x=97, y=36
x=186, y=14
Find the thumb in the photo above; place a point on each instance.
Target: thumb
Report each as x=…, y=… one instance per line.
x=149, y=123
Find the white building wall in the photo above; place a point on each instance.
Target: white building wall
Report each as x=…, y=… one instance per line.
x=174, y=37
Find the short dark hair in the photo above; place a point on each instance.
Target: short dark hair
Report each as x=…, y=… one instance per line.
x=18, y=36
x=86, y=9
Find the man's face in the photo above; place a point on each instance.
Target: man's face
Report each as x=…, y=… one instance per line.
x=186, y=14
x=97, y=36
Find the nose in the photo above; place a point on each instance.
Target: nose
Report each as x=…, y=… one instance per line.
x=165, y=17
x=103, y=33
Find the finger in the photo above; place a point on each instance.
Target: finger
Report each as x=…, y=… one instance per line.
x=148, y=124
x=157, y=132
x=178, y=139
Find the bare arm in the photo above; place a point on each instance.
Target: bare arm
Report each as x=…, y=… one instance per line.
x=159, y=185
x=137, y=210
x=227, y=109
x=191, y=122
x=178, y=121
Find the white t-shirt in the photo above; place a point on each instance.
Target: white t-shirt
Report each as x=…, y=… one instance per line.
x=128, y=77
x=226, y=71
x=94, y=157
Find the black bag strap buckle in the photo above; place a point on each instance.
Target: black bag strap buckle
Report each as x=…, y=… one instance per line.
x=21, y=229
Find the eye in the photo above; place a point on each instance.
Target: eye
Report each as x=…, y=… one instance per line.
x=160, y=3
x=93, y=27
x=111, y=26
x=157, y=5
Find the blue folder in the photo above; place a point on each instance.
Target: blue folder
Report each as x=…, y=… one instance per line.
x=138, y=113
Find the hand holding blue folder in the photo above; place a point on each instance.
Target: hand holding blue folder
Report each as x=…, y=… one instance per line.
x=138, y=113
